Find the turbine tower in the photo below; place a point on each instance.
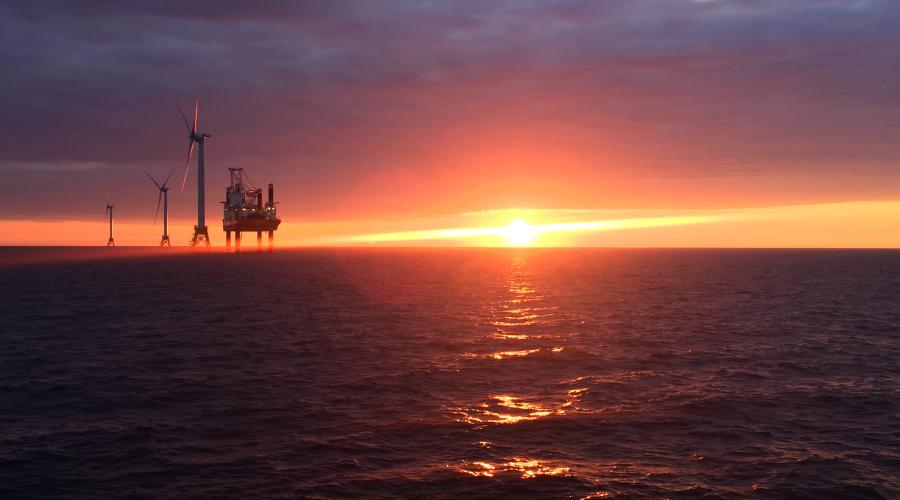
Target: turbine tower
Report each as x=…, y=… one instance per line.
x=110, y=242
x=164, y=199
x=201, y=234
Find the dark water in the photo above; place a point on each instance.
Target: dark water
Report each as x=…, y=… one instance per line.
x=453, y=374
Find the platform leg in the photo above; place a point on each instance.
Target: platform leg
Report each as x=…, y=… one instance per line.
x=271, y=241
x=258, y=241
x=237, y=242
x=227, y=241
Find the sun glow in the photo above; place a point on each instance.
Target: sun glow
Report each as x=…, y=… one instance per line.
x=519, y=233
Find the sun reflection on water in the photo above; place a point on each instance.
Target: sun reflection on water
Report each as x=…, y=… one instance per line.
x=522, y=307
x=509, y=409
x=509, y=336
x=526, y=468
x=523, y=321
x=596, y=494
x=511, y=354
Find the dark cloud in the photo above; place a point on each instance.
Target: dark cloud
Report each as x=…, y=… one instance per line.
x=323, y=92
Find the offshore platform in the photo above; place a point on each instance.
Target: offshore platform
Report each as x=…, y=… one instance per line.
x=244, y=211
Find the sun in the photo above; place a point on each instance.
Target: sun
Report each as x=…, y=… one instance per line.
x=519, y=233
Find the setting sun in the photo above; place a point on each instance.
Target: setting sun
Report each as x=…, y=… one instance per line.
x=519, y=233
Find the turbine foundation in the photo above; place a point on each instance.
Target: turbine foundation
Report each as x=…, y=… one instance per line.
x=201, y=237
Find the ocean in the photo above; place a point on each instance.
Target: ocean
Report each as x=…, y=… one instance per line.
x=450, y=373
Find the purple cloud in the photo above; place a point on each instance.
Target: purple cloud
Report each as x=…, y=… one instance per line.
x=320, y=94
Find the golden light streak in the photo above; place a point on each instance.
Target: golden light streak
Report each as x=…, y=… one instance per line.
x=521, y=233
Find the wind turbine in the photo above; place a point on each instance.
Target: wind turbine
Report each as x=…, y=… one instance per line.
x=110, y=242
x=164, y=199
x=201, y=234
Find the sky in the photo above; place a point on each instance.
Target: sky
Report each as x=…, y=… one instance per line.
x=766, y=123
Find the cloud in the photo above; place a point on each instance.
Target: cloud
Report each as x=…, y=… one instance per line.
x=322, y=94
x=63, y=166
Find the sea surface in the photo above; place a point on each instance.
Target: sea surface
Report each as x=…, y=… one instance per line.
x=459, y=373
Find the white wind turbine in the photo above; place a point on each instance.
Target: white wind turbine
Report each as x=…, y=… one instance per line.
x=201, y=233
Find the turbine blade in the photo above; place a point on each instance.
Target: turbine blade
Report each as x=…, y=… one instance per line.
x=196, y=113
x=187, y=164
x=152, y=179
x=158, y=201
x=167, y=178
x=186, y=124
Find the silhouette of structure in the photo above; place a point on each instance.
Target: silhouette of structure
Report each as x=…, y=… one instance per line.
x=164, y=200
x=244, y=212
x=201, y=233
x=109, y=208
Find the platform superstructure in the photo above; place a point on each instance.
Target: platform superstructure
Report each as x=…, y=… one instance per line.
x=244, y=211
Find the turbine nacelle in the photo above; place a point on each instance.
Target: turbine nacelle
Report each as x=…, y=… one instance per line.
x=197, y=138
